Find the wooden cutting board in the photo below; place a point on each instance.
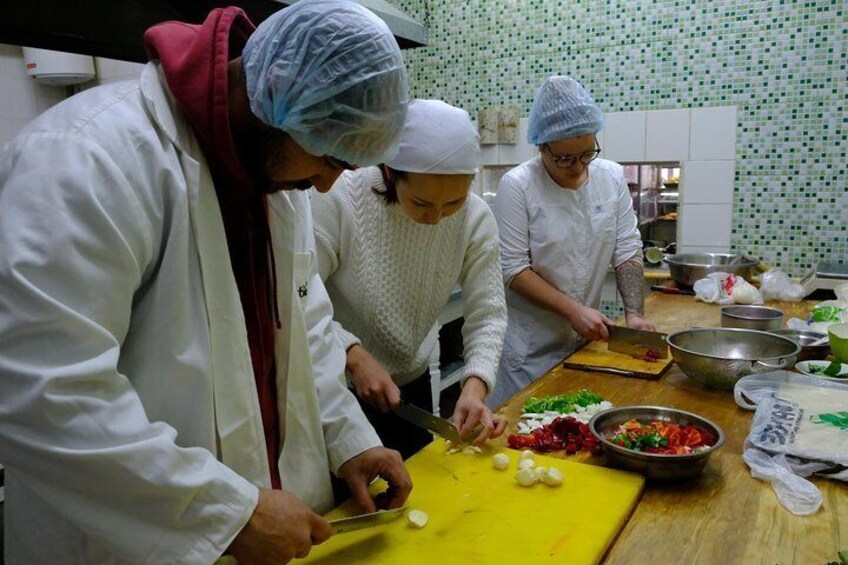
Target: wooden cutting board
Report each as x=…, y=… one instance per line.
x=480, y=516
x=596, y=354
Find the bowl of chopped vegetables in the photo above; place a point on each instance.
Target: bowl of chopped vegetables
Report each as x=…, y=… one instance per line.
x=831, y=370
x=661, y=443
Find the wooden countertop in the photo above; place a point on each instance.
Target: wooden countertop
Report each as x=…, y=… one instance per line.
x=725, y=517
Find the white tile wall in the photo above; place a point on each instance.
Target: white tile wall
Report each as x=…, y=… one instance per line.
x=21, y=98
x=707, y=182
x=667, y=135
x=713, y=133
x=11, y=63
x=18, y=99
x=9, y=128
x=625, y=136
x=489, y=154
x=704, y=225
x=514, y=154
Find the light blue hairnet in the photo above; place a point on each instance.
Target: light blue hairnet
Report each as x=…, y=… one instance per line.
x=330, y=74
x=562, y=110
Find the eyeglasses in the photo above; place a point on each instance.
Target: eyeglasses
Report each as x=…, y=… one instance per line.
x=338, y=163
x=566, y=161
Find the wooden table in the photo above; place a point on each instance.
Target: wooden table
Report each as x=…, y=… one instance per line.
x=725, y=517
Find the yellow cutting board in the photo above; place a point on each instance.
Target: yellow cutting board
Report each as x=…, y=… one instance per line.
x=596, y=354
x=481, y=516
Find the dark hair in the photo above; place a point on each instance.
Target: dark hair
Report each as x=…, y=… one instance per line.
x=390, y=194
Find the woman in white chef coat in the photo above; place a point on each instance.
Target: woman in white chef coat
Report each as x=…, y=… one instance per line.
x=393, y=241
x=131, y=425
x=564, y=218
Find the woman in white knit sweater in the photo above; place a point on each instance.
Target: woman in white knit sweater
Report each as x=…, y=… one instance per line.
x=393, y=241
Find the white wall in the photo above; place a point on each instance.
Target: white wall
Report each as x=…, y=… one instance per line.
x=21, y=98
x=703, y=141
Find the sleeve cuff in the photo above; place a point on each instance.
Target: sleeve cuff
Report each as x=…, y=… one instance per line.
x=346, y=338
x=486, y=374
x=358, y=438
x=510, y=274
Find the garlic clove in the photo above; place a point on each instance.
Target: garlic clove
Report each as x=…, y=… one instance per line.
x=417, y=518
x=500, y=461
x=553, y=477
x=526, y=477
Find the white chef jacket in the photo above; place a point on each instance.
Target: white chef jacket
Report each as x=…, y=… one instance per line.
x=569, y=238
x=129, y=419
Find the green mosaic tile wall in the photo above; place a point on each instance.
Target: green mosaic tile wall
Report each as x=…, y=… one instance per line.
x=783, y=63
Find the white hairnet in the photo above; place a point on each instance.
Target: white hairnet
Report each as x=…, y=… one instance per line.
x=562, y=110
x=437, y=138
x=330, y=74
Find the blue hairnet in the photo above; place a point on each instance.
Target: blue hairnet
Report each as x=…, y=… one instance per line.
x=330, y=74
x=562, y=110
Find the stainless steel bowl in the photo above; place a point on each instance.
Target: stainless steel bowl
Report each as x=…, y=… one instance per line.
x=718, y=357
x=805, y=338
x=686, y=268
x=751, y=317
x=654, y=466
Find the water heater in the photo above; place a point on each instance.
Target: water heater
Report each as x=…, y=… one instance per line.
x=55, y=68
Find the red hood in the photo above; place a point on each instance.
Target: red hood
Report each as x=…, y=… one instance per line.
x=194, y=59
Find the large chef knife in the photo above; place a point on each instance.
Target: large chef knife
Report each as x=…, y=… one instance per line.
x=638, y=343
x=362, y=521
x=428, y=421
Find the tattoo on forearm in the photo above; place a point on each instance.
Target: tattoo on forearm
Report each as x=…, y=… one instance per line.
x=630, y=278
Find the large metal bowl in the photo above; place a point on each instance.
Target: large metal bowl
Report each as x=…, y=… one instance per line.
x=686, y=268
x=805, y=338
x=652, y=465
x=751, y=317
x=718, y=357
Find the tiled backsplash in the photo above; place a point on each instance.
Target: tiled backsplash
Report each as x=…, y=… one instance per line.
x=782, y=64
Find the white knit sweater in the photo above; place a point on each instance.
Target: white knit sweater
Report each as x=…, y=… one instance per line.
x=389, y=277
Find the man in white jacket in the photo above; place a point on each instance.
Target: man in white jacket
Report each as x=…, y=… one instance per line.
x=170, y=386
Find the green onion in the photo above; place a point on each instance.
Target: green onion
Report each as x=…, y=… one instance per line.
x=563, y=404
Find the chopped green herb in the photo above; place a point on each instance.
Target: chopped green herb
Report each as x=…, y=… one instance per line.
x=832, y=370
x=562, y=404
x=623, y=440
x=826, y=314
x=652, y=440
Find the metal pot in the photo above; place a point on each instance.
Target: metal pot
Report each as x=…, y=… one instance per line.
x=686, y=268
x=718, y=357
x=751, y=317
x=805, y=338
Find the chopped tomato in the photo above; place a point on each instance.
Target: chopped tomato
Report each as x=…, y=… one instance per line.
x=661, y=437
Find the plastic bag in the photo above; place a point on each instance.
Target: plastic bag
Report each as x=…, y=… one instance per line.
x=796, y=494
x=776, y=285
x=800, y=428
x=724, y=288
x=822, y=316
